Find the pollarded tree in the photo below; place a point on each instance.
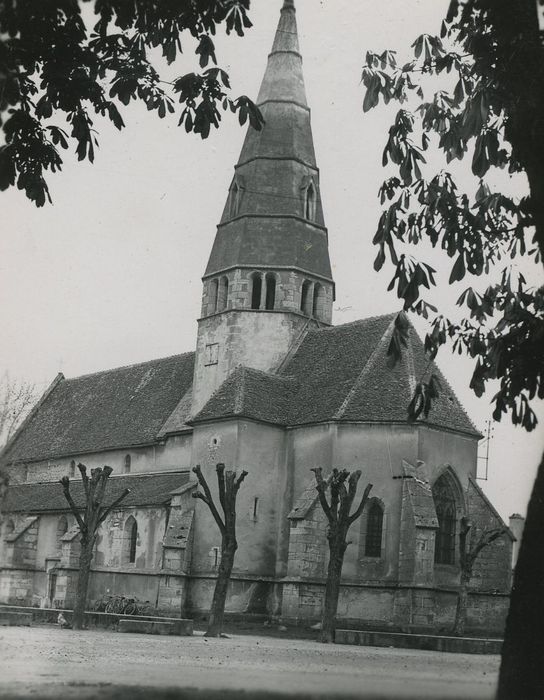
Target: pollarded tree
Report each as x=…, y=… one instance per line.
x=57, y=74
x=469, y=552
x=228, y=486
x=89, y=517
x=339, y=520
x=489, y=61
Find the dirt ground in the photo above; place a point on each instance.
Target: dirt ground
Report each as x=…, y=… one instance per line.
x=46, y=662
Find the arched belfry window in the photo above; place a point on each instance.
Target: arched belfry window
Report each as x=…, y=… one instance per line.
x=305, y=301
x=270, y=291
x=319, y=301
x=212, y=296
x=130, y=539
x=256, y=290
x=127, y=464
x=223, y=293
x=446, y=512
x=309, y=202
x=374, y=530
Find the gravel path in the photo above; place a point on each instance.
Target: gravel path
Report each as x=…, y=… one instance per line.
x=46, y=662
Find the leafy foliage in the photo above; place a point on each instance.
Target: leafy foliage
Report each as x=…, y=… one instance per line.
x=489, y=54
x=52, y=66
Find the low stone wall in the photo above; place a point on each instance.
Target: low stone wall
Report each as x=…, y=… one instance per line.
x=395, y=607
x=426, y=642
x=93, y=620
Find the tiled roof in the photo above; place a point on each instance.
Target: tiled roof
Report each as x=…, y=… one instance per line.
x=343, y=374
x=145, y=490
x=112, y=409
x=250, y=393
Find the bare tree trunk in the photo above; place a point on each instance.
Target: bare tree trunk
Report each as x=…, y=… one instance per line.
x=337, y=549
x=461, y=609
x=217, y=611
x=228, y=485
x=522, y=664
x=85, y=560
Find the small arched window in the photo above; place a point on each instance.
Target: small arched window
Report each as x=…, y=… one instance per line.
x=256, y=290
x=130, y=539
x=127, y=464
x=374, y=530
x=309, y=202
x=223, y=293
x=62, y=529
x=305, y=302
x=212, y=292
x=270, y=291
x=72, y=469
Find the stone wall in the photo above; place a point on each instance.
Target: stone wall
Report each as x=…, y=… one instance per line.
x=492, y=569
x=403, y=608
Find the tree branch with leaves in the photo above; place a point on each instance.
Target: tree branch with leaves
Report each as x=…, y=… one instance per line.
x=89, y=519
x=228, y=483
x=342, y=486
x=57, y=75
x=487, y=108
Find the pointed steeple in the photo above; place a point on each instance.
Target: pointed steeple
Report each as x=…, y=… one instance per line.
x=269, y=274
x=273, y=215
x=283, y=78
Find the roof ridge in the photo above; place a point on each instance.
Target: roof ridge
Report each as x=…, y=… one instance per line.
x=363, y=373
x=361, y=320
x=131, y=366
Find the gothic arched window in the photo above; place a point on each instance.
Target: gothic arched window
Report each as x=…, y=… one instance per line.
x=130, y=538
x=309, y=202
x=127, y=464
x=270, y=291
x=374, y=530
x=256, y=290
x=446, y=513
x=235, y=196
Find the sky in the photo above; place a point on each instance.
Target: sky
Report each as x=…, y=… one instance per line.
x=110, y=274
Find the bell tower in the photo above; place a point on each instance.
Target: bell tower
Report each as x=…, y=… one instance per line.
x=269, y=275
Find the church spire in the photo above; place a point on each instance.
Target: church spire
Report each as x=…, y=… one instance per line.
x=270, y=253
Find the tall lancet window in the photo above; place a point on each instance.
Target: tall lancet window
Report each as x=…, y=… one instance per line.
x=309, y=202
x=446, y=513
x=256, y=290
x=270, y=291
x=235, y=199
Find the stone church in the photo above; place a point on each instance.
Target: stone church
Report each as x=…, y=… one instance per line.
x=275, y=388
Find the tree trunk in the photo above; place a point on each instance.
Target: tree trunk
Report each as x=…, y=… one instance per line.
x=85, y=560
x=337, y=549
x=522, y=664
x=461, y=609
x=217, y=611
